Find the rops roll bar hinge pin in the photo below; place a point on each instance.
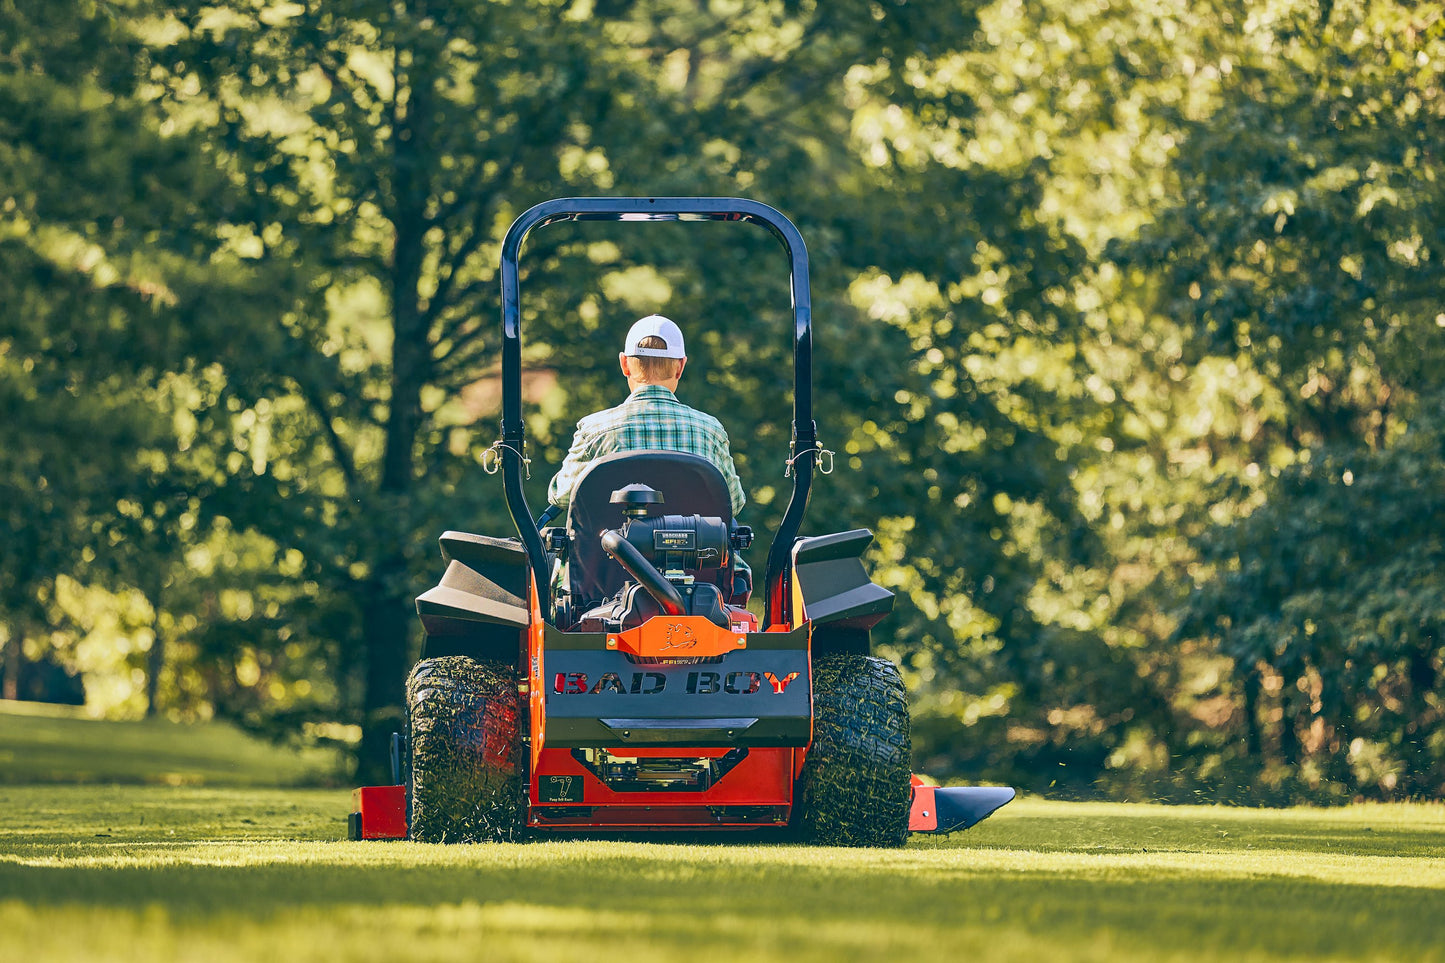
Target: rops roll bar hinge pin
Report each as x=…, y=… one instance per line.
x=493, y=464
x=817, y=450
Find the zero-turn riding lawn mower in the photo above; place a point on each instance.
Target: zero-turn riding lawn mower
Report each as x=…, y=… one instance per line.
x=640, y=693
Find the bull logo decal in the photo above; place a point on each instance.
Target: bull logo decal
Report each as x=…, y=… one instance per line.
x=679, y=637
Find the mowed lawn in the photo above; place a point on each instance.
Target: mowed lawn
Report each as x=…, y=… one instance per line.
x=247, y=872
x=42, y=743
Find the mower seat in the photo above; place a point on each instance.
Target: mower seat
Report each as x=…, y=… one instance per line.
x=691, y=485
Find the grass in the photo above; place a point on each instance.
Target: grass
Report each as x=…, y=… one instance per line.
x=120, y=872
x=42, y=743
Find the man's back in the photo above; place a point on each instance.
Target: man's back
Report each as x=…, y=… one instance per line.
x=650, y=418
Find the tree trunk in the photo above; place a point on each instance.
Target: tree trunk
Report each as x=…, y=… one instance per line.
x=385, y=595
x=386, y=614
x=1253, y=742
x=155, y=663
x=386, y=636
x=14, y=661
x=156, y=656
x=1289, y=740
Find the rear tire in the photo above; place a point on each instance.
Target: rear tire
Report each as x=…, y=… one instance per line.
x=855, y=789
x=465, y=738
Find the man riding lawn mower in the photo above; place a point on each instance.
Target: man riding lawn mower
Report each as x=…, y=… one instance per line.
x=640, y=693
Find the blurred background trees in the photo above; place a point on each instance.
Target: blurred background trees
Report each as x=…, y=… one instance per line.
x=1126, y=320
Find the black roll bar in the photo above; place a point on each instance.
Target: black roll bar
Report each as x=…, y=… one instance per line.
x=805, y=431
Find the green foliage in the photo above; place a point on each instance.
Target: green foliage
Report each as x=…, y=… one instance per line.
x=83, y=282
x=383, y=150
x=950, y=376
x=1109, y=298
x=1333, y=619
x=1302, y=254
x=1306, y=236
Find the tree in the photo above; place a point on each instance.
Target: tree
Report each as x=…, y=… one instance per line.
x=320, y=363
x=382, y=147
x=1305, y=254
x=91, y=201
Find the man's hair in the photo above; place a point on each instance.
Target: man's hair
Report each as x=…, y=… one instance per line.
x=654, y=369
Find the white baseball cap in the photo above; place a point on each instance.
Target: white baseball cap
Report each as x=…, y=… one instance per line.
x=655, y=326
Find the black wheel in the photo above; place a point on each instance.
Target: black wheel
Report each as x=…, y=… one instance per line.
x=465, y=738
x=855, y=788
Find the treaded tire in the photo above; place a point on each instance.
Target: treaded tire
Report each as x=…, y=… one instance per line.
x=855, y=789
x=464, y=718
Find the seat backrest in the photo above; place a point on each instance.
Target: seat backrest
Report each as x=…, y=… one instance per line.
x=690, y=485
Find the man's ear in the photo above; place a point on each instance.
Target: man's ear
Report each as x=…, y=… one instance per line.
x=681, y=363
x=622, y=362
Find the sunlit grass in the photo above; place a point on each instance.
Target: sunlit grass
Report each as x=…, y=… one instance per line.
x=102, y=873
x=232, y=872
x=42, y=743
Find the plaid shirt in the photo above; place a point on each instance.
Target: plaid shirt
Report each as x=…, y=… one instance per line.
x=651, y=417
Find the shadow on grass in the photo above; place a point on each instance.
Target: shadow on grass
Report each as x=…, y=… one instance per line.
x=1148, y=882
x=670, y=892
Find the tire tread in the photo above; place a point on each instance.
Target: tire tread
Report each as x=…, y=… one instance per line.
x=855, y=788
x=464, y=722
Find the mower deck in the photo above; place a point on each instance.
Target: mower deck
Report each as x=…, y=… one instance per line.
x=379, y=812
